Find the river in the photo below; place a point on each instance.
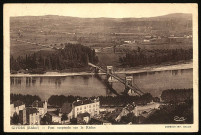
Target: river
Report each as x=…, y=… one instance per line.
x=153, y=82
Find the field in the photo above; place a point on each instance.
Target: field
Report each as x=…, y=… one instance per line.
x=109, y=59
x=21, y=48
x=48, y=32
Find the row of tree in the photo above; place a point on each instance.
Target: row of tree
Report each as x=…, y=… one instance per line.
x=27, y=99
x=59, y=100
x=148, y=57
x=176, y=96
x=72, y=56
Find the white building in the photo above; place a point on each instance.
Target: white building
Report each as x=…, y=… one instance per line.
x=16, y=106
x=83, y=118
x=127, y=42
x=90, y=106
x=146, y=40
x=34, y=118
x=41, y=106
x=55, y=118
x=29, y=116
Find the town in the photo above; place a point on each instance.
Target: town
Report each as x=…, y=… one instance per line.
x=79, y=112
x=94, y=112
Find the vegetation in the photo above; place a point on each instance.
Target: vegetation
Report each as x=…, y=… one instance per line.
x=123, y=100
x=128, y=118
x=148, y=57
x=15, y=119
x=46, y=120
x=72, y=56
x=180, y=105
x=58, y=100
x=168, y=113
x=27, y=99
x=175, y=96
x=64, y=117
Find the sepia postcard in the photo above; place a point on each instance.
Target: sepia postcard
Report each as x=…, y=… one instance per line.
x=101, y=67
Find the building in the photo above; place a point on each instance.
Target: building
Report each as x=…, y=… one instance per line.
x=107, y=109
x=16, y=106
x=126, y=110
x=83, y=118
x=90, y=106
x=53, y=117
x=30, y=116
x=23, y=117
x=148, y=37
x=127, y=42
x=146, y=40
x=41, y=106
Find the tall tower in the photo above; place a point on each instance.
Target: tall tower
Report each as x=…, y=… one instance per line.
x=109, y=71
x=129, y=81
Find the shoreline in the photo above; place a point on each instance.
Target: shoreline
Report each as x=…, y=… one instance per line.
x=119, y=71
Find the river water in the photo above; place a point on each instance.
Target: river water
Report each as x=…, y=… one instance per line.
x=88, y=85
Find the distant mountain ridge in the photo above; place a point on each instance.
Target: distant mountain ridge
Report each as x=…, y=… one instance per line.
x=171, y=22
x=177, y=15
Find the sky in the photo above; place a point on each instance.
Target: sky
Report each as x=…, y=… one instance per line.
x=97, y=10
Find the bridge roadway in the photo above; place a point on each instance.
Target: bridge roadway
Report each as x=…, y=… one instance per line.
x=134, y=87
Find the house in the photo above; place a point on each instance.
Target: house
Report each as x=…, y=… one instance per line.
x=53, y=117
x=83, y=118
x=16, y=106
x=146, y=40
x=30, y=116
x=90, y=106
x=126, y=110
x=107, y=109
x=41, y=106
x=127, y=42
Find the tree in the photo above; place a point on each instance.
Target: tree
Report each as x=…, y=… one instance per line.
x=64, y=117
x=15, y=119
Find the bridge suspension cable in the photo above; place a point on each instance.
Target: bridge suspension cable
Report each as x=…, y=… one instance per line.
x=134, y=87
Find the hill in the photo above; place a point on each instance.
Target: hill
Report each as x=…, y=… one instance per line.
x=34, y=33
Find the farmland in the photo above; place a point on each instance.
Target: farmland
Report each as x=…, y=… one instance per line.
x=50, y=32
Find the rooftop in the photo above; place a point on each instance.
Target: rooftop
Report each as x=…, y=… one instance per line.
x=31, y=110
x=38, y=103
x=84, y=102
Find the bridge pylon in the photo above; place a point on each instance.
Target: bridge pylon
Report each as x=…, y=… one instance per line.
x=129, y=81
x=109, y=72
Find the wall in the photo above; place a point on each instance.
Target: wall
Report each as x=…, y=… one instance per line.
x=92, y=109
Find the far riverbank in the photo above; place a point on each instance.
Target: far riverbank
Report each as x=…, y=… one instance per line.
x=188, y=65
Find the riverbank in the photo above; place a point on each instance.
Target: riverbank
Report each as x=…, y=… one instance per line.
x=187, y=65
x=155, y=68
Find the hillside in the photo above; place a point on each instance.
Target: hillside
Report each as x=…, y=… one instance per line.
x=174, y=22
x=33, y=33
